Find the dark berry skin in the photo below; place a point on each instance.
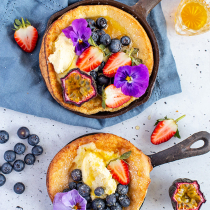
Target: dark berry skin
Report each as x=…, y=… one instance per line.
x=88, y=198
x=18, y=165
x=19, y=148
x=103, y=80
x=79, y=184
x=99, y=191
x=100, y=32
x=72, y=185
x=111, y=200
x=37, y=150
x=29, y=159
x=124, y=200
x=117, y=195
x=101, y=23
x=94, y=74
x=117, y=206
x=19, y=188
x=84, y=190
x=66, y=190
x=9, y=156
x=125, y=40
x=89, y=206
x=2, y=180
x=91, y=24
x=23, y=133
x=95, y=36
x=107, y=208
x=115, y=46
x=33, y=139
x=76, y=175
x=122, y=189
x=99, y=89
x=98, y=204
x=4, y=137
x=6, y=168
x=101, y=66
x=105, y=39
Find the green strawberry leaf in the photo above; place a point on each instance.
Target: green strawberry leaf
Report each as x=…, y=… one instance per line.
x=17, y=22
x=91, y=42
x=165, y=118
x=135, y=51
x=102, y=47
x=103, y=98
x=177, y=134
x=107, y=52
x=136, y=61
x=125, y=155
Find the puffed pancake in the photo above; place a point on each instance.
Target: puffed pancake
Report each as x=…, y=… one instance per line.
x=139, y=165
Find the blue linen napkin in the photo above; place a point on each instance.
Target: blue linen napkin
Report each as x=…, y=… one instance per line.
x=21, y=85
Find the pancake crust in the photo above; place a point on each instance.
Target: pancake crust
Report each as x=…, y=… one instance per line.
x=139, y=166
x=134, y=30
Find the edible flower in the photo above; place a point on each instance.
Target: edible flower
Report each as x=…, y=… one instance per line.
x=71, y=200
x=133, y=80
x=79, y=33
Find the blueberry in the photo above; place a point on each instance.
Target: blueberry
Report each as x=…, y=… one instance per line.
x=101, y=23
x=66, y=190
x=111, y=200
x=122, y=189
x=23, y=133
x=117, y=195
x=4, y=137
x=125, y=40
x=88, y=198
x=72, y=185
x=105, y=39
x=29, y=159
x=19, y=165
x=79, y=184
x=99, y=191
x=9, y=156
x=103, y=80
x=100, y=32
x=98, y=204
x=99, y=89
x=76, y=175
x=94, y=74
x=84, y=190
x=107, y=208
x=124, y=200
x=19, y=188
x=89, y=206
x=33, y=139
x=91, y=24
x=117, y=206
x=2, y=180
x=115, y=46
x=95, y=36
x=6, y=168
x=101, y=66
x=19, y=148
x=37, y=150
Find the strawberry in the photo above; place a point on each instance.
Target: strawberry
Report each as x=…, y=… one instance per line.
x=90, y=59
x=165, y=130
x=113, y=97
x=115, y=61
x=119, y=169
x=25, y=35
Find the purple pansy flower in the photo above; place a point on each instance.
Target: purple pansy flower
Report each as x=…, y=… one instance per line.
x=71, y=200
x=79, y=33
x=133, y=80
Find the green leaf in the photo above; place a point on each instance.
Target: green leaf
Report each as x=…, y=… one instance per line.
x=91, y=42
x=103, y=98
x=177, y=134
x=136, y=61
x=125, y=155
x=17, y=22
x=102, y=47
x=16, y=27
x=159, y=120
x=135, y=51
x=28, y=23
x=107, y=52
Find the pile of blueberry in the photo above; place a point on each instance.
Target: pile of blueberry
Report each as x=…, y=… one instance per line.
x=19, y=148
x=115, y=201
x=114, y=45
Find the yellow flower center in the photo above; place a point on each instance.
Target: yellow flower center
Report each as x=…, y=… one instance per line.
x=129, y=79
x=80, y=41
x=77, y=206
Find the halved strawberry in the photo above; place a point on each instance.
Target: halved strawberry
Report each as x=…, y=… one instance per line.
x=25, y=35
x=90, y=59
x=115, y=61
x=114, y=97
x=165, y=130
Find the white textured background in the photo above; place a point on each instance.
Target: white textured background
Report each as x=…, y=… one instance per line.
x=192, y=55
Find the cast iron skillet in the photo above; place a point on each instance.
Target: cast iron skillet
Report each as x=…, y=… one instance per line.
x=140, y=11
x=180, y=151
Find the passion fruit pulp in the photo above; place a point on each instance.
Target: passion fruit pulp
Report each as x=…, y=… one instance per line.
x=185, y=194
x=78, y=87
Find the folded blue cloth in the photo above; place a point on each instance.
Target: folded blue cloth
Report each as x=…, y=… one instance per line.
x=21, y=85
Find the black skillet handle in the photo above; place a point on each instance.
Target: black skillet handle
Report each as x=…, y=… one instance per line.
x=145, y=6
x=182, y=150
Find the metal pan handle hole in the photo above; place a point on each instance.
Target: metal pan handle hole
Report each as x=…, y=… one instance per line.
x=197, y=144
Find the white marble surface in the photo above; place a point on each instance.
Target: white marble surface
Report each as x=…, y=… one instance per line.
x=192, y=55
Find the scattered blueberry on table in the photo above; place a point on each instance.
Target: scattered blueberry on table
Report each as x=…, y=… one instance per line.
x=9, y=156
x=2, y=180
x=6, y=168
x=19, y=188
x=19, y=148
x=29, y=159
x=23, y=133
x=4, y=137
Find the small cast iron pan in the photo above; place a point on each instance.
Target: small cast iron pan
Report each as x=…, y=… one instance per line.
x=140, y=11
x=180, y=151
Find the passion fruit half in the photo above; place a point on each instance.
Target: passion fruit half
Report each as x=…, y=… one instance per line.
x=185, y=194
x=78, y=87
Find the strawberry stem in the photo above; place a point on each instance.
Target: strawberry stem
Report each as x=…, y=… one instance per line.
x=180, y=118
x=23, y=23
